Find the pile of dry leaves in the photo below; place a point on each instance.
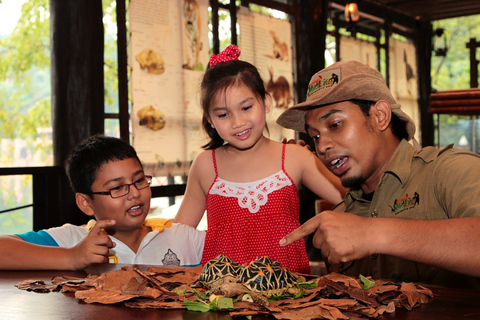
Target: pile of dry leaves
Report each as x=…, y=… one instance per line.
x=333, y=296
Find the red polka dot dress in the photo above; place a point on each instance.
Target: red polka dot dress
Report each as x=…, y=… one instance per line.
x=247, y=220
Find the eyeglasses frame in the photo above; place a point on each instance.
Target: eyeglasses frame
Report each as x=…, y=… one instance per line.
x=149, y=179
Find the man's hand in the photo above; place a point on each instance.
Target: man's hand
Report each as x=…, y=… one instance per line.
x=300, y=143
x=94, y=248
x=340, y=236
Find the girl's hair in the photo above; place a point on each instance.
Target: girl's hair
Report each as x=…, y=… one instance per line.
x=90, y=155
x=219, y=78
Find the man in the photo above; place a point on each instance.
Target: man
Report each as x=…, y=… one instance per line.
x=411, y=214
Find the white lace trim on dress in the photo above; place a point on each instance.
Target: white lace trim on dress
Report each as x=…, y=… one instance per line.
x=251, y=195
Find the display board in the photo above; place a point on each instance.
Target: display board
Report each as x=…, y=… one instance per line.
x=168, y=53
x=403, y=73
x=266, y=43
x=403, y=78
x=358, y=50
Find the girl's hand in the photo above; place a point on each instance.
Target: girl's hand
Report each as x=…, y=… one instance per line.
x=94, y=248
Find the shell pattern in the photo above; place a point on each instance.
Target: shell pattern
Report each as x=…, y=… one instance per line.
x=264, y=275
x=218, y=269
x=267, y=276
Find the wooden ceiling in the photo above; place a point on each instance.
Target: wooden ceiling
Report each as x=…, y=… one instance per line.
x=429, y=10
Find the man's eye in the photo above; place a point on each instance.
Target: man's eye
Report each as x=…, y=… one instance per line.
x=335, y=125
x=116, y=188
x=315, y=137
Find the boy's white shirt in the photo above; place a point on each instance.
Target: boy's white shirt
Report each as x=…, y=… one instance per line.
x=179, y=245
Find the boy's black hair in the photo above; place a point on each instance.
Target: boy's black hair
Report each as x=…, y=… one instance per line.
x=89, y=155
x=219, y=78
x=398, y=126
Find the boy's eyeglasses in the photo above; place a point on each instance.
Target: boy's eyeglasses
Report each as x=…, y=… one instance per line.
x=123, y=190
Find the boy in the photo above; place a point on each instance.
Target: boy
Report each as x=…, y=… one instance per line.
x=110, y=185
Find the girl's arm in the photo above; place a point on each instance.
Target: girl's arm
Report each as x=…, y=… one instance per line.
x=316, y=177
x=193, y=204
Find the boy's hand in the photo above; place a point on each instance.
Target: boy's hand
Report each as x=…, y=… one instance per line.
x=93, y=248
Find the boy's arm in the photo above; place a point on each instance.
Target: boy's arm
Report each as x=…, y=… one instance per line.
x=18, y=254
x=21, y=255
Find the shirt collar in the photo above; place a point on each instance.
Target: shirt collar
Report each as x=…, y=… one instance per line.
x=399, y=166
x=401, y=162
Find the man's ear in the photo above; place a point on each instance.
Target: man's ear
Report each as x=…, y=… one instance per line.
x=84, y=202
x=382, y=113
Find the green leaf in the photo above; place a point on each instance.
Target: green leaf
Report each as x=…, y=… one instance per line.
x=196, y=305
x=299, y=295
x=200, y=295
x=225, y=304
x=179, y=292
x=367, y=284
x=306, y=284
x=213, y=305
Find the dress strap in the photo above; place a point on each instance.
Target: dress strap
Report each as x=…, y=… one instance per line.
x=283, y=157
x=214, y=163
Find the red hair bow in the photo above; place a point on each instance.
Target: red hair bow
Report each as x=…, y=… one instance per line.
x=230, y=53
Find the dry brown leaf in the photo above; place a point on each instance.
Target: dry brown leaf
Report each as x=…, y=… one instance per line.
x=155, y=304
x=103, y=296
x=335, y=296
x=38, y=286
x=346, y=280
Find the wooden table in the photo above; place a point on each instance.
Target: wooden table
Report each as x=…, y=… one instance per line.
x=20, y=304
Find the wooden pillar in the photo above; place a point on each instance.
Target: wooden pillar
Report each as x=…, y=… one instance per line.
x=215, y=23
x=122, y=71
x=310, y=42
x=77, y=73
x=473, y=45
x=233, y=21
x=388, y=33
x=310, y=34
x=424, y=62
x=76, y=41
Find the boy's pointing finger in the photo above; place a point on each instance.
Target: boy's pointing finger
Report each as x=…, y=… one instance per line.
x=100, y=225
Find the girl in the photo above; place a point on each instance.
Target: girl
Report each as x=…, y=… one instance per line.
x=247, y=182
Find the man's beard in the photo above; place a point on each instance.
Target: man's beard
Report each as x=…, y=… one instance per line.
x=353, y=183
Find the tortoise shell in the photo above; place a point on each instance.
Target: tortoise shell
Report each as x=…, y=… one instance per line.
x=267, y=277
x=219, y=270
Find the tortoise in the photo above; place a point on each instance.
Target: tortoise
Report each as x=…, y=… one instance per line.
x=256, y=282
x=268, y=277
x=219, y=271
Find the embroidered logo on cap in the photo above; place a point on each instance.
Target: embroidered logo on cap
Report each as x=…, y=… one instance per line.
x=324, y=80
